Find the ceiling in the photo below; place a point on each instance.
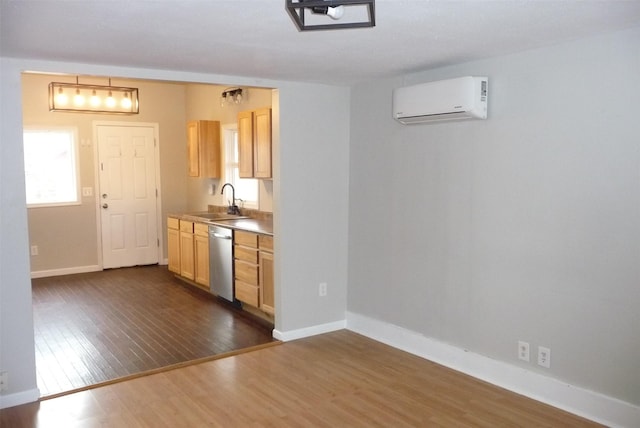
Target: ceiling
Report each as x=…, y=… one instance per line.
x=257, y=38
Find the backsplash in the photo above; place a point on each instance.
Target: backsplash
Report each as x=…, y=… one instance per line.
x=260, y=215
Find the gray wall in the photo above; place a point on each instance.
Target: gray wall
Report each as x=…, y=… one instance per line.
x=525, y=226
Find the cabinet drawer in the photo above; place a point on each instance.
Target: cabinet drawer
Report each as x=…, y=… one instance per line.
x=186, y=226
x=265, y=242
x=173, y=223
x=246, y=272
x=247, y=254
x=247, y=239
x=247, y=293
x=201, y=229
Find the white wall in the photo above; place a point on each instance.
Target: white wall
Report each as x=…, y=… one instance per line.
x=311, y=225
x=525, y=226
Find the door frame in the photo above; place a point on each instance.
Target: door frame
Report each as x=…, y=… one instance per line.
x=96, y=170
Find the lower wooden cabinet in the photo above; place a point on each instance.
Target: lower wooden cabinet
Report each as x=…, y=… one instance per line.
x=201, y=254
x=173, y=244
x=253, y=270
x=188, y=253
x=265, y=267
x=188, y=250
x=187, y=269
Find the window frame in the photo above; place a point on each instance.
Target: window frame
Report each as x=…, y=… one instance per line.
x=75, y=154
x=230, y=165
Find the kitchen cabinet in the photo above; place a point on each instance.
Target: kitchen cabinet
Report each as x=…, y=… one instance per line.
x=265, y=268
x=187, y=267
x=188, y=248
x=253, y=270
x=245, y=144
x=203, y=148
x=245, y=264
x=254, y=143
x=201, y=254
x=173, y=244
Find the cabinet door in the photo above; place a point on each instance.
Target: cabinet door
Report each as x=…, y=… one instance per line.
x=186, y=255
x=245, y=144
x=262, y=143
x=193, y=149
x=210, y=155
x=173, y=247
x=201, y=248
x=247, y=293
x=266, y=283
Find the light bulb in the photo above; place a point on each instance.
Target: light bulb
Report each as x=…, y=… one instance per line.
x=110, y=102
x=335, y=12
x=126, y=101
x=94, y=100
x=78, y=98
x=61, y=98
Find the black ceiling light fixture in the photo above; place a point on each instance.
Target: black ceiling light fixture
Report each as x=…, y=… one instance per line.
x=342, y=13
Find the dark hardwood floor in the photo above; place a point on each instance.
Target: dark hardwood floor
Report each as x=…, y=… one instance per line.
x=96, y=327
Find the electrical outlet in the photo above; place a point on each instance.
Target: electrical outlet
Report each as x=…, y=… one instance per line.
x=523, y=350
x=4, y=381
x=544, y=357
x=322, y=289
x=87, y=191
x=34, y=250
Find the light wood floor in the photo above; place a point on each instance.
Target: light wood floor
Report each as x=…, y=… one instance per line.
x=95, y=327
x=338, y=379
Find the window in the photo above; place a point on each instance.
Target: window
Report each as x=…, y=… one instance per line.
x=51, y=166
x=246, y=188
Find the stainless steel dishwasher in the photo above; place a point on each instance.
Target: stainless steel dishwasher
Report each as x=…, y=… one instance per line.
x=221, y=262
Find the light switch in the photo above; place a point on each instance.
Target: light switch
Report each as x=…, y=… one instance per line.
x=87, y=191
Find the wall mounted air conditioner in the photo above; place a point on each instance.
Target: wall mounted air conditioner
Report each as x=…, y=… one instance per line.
x=444, y=100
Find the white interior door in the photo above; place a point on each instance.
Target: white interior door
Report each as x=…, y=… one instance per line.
x=128, y=197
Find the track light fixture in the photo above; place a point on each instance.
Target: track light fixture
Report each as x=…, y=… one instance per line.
x=345, y=13
x=81, y=98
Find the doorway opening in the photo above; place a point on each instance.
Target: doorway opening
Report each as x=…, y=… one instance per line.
x=70, y=241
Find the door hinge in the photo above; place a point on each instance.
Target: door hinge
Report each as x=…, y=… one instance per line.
x=156, y=193
x=158, y=240
x=101, y=166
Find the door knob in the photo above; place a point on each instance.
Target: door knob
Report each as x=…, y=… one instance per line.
x=104, y=196
x=105, y=206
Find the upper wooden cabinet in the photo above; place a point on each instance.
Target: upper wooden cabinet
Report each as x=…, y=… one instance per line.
x=245, y=144
x=203, y=148
x=254, y=143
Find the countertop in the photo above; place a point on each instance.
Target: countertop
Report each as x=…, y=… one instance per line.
x=262, y=226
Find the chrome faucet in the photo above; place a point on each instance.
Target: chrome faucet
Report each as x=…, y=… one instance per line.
x=233, y=208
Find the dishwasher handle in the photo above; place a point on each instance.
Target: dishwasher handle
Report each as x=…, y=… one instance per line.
x=220, y=236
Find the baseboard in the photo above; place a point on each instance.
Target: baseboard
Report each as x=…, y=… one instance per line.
x=286, y=336
x=65, y=271
x=588, y=404
x=11, y=400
